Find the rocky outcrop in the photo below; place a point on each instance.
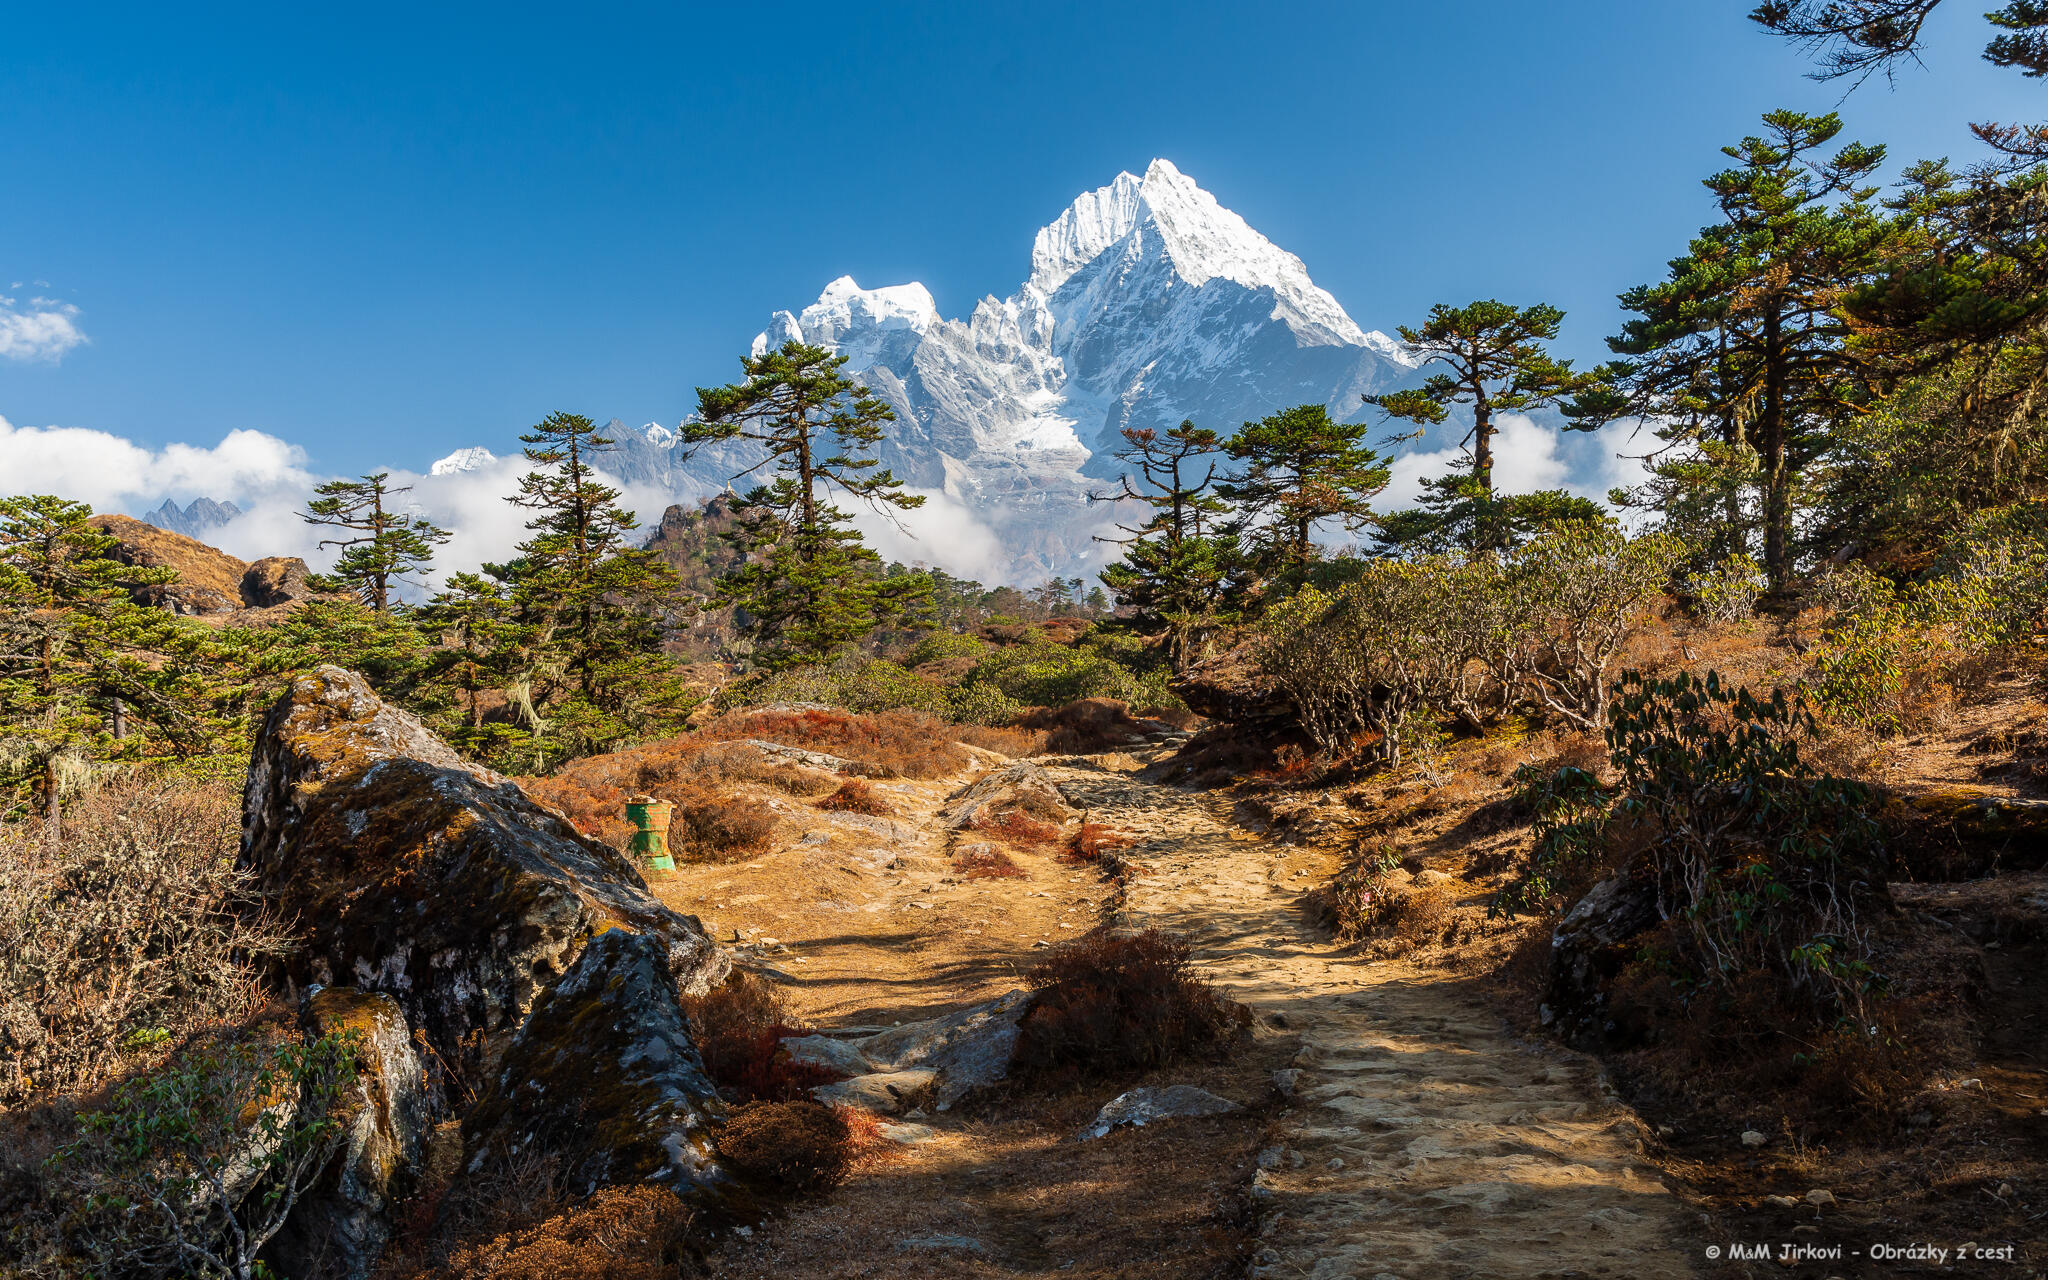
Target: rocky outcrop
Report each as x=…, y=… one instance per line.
x=1587, y=950
x=604, y=1077
x=275, y=580
x=1019, y=786
x=967, y=1049
x=209, y=582
x=415, y=873
x=340, y=1225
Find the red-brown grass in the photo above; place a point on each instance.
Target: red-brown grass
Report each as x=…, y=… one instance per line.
x=898, y=743
x=857, y=795
x=1091, y=841
x=620, y=1233
x=984, y=863
x=1014, y=827
x=739, y=1027
x=592, y=792
x=1111, y=1002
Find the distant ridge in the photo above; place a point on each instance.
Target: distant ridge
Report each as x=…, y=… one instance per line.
x=195, y=520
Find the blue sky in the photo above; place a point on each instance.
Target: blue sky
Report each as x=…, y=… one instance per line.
x=382, y=232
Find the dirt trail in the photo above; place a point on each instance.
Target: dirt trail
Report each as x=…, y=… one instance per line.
x=1425, y=1140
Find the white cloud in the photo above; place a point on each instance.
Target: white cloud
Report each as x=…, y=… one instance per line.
x=942, y=532
x=1529, y=456
x=113, y=473
x=41, y=329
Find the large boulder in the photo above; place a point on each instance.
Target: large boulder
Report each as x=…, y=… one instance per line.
x=275, y=580
x=341, y=1224
x=603, y=1077
x=965, y=1050
x=1021, y=786
x=411, y=871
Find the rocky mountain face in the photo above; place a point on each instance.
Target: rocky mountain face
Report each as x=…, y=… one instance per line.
x=1147, y=303
x=194, y=520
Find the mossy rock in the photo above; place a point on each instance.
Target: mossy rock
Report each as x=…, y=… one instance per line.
x=413, y=872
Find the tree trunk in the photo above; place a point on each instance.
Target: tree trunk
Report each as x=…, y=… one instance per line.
x=1777, y=481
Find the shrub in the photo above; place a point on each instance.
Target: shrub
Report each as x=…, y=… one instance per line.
x=738, y=1028
x=711, y=828
x=1053, y=675
x=982, y=703
x=941, y=646
x=1014, y=827
x=865, y=686
x=794, y=1146
x=1015, y=743
x=1769, y=866
x=857, y=795
x=592, y=792
x=131, y=932
x=1092, y=842
x=1111, y=1002
x=1572, y=811
x=192, y=1168
x=886, y=744
x=979, y=862
x=1727, y=590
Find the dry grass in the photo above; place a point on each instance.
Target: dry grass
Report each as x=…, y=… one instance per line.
x=1092, y=724
x=793, y=1147
x=891, y=744
x=621, y=1233
x=1018, y=829
x=131, y=932
x=983, y=863
x=686, y=772
x=1013, y=742
x=1112, y=1002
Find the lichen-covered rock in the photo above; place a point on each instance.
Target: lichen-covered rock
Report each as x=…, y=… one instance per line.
x=884, y=1093
x=968, y=1048
x=827, y=1052
x=1021, y=785
x=1590, y=946
x=340, y=1226
x=411, y=871
x=603, y=1077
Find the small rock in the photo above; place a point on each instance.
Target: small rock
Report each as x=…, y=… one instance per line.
x=2004, y=1191
x=815, y=838
x=1142, y=1106
x=1334, y=1163
x=1271, y=1157
x=1783, y=1202
x=1751, y=1138
x=1286, y=1080
x=908, y=1135
x=1546, y=1014
x=1819, y=1197
x=824, y=1051
x=885, y=1093
x=1430, y=875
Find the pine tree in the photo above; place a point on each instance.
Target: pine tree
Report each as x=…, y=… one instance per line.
x=86, y=673
x=1745, y=336
x=388, y=547
x=1494, y=360
x=589, y=611
x=1176, y=565
x=1301, y=468
x=810, y=587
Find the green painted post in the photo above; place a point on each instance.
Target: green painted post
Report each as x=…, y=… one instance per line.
x=650, y=840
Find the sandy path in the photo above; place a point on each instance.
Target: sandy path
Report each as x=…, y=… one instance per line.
x=1425, y=1141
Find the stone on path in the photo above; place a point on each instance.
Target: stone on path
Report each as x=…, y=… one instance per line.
x=1142, y=1106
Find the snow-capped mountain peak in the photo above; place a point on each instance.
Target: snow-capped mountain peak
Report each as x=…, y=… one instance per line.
x=1148, y=302
x=475, y=458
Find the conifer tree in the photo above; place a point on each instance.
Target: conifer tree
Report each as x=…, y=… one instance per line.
x=1300, y=469
x=384, y=547
x=810, y=586
x=85, y=673
x=1176, y=565
x=588, y=609
x=1746, y=332
x=1493, y=359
